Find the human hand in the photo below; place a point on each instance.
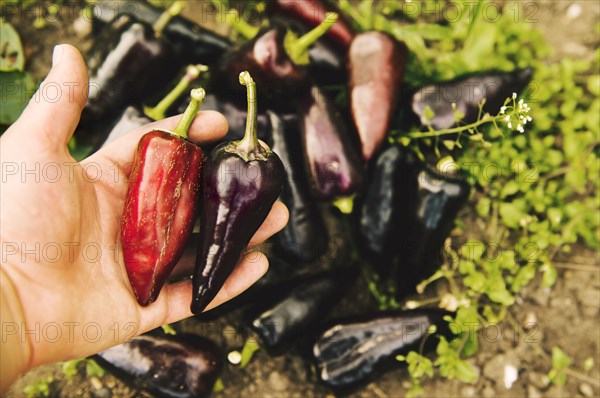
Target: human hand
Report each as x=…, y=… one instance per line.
x=63, y=278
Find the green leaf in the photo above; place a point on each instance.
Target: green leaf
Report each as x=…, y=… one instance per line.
x=465, y=372
x=510, y=188
x=549, y=274
x=69, y=368
x=471, y=345
x=511, y=214
x=418, y=365
x=472, y=250
x=523, y=277
x=497, y=292
x=17, y=88
x=483, y=207
x=12, y=57
x=560, y=360
x=93, y=369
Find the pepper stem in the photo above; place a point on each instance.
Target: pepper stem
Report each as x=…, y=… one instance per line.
x=237, y=23
x=190, y=113
x=164, y=19
x=297, y=47
x=249, y=143
x=159, y=111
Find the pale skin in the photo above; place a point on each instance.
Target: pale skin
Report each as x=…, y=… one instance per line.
x=82, y=303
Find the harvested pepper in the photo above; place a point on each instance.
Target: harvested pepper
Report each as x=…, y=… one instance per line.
x=135, y=116
x=161, y=202
x=242, y=180
x=276, y=59
x=405, y=216
x=132, y=63
x=280, y=322
x=376, y=63
x=311, y=12
x=334, y=164
x=192, y=43
x=304, y=238
x=433, y=104
x=386, y=206
x=354, y=351
x=179, y=366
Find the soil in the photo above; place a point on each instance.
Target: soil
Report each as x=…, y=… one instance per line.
x=566, y=315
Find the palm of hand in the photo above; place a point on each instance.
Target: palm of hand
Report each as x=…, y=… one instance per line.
x=60, y=236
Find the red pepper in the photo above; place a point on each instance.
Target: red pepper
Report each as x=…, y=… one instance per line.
x=160, y=206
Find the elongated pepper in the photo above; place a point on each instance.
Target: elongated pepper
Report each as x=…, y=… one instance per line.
x=311, y=12
x=333, y=161
x=180, y=366
x=466, y=93
x=354, y=351
x=160, y=206
x=276, y=58
x=305, y=237
x=190, y=41
x=376, y=63
x=242, y=180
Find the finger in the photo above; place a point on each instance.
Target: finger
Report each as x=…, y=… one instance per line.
x=208, y=126
x=178, y=296
x=275, y=222
x=53, y=112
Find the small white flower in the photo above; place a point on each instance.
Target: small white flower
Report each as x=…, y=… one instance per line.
x=520, y=128
x=502, y=110
x=521, y=101
x=514, y=96
x=529, y=118
x=521, y=117
x=509, y=125
x=507, y=118
x=524, y=122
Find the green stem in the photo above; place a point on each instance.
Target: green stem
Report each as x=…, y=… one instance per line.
x=297, y=47
x=237, y=23
x=190, y=113
x=454, y=130
x=250, y=347
x=249, y=144
x=349, y=10
x=160, y=110
x=164, y=19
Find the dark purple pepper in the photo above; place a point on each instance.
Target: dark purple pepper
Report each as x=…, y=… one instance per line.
x=304, y=238
x=467, y=93
x=279, y=322
x=191, y=42
x=334, y=164
x=276, y=58
x=242, y=180
x=376, y=64
x=179, y=366
x=354, y=351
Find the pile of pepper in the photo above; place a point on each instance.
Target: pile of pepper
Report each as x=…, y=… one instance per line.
x=396, y=210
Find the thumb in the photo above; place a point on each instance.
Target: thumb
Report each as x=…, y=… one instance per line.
x=54, y=111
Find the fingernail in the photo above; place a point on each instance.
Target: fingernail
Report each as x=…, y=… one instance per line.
x=57, y=54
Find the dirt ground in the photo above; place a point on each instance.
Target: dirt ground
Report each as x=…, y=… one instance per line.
x=567, y=315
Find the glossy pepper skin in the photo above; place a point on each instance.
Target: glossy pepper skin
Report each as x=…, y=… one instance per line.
x=354, y=351
x=376, y=63
x=191, y=42
x=160, y=205
x=467, y=93
x=438, y=200
x=405, y=215
x=334, y=165
x=280, y=322
x=304, y=238
x=387, y=205
x=179, y=366
x=276, y=59
x=242, y=180
x=311, y=13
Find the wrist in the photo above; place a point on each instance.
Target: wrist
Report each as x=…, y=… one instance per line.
x=16, y=352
